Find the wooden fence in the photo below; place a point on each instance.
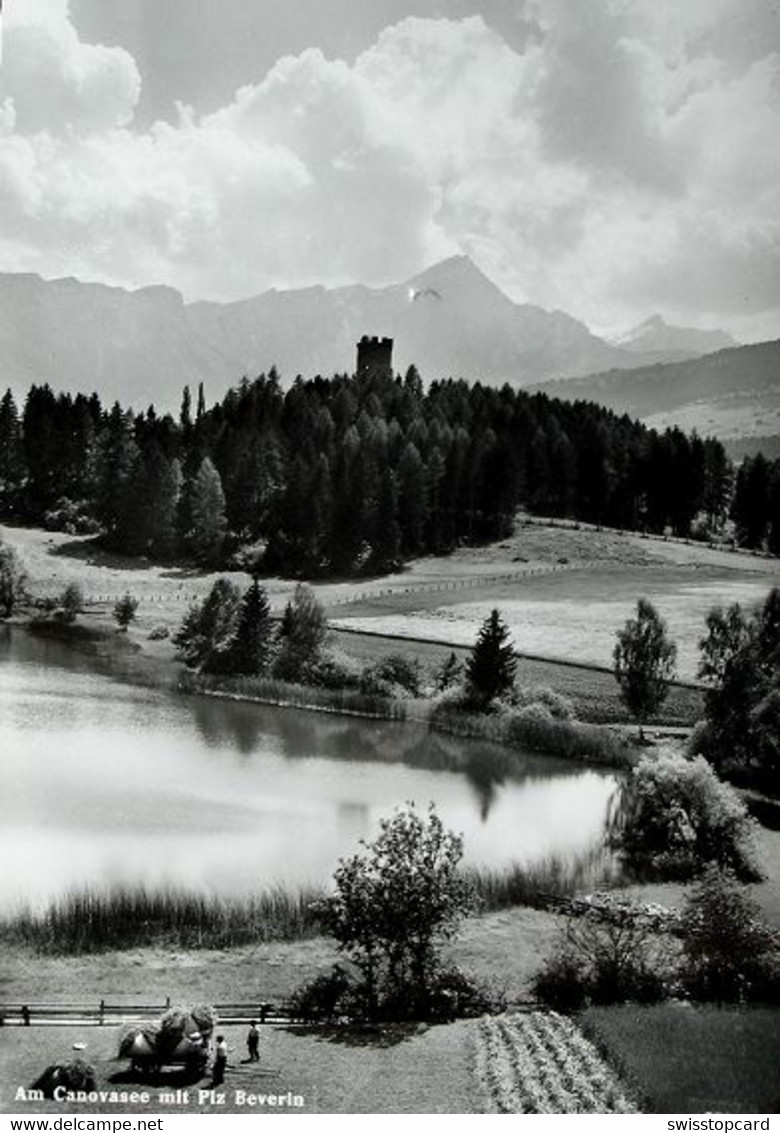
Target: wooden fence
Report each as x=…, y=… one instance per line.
x=111, y=1014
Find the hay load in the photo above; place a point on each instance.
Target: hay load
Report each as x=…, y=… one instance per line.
x=180, y=1038
x=76, y=1076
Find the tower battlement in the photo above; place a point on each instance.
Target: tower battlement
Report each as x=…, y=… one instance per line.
x=374, y=355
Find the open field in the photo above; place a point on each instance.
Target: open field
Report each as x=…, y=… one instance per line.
x=682, y=1058
x=572, y=615
x=558, y=610
x=399, y=1070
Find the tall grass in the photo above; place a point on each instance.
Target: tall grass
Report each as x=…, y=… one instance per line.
x=266, y=690
x=96, y=920
x=538, y=731
x=534, y=883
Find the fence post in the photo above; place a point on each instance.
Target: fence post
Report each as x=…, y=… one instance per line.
x=102, y=1011
x=26, y=1015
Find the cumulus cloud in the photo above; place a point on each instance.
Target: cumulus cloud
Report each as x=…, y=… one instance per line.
x=56, y=81
x=621, y=159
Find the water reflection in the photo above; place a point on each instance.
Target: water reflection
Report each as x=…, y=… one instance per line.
x=105, y=782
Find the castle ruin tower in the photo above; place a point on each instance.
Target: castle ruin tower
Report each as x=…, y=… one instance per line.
x=374, y=357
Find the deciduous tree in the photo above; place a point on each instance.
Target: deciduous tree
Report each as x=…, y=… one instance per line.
x=396, y=902
x=644, y=659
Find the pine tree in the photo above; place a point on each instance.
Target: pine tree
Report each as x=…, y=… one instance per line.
x=11, y=456
x=490, y=670
x=185, y=415
x=117, y=457
x=750, y=508
x=386, y=545
x=412, y=499
x=250, y=649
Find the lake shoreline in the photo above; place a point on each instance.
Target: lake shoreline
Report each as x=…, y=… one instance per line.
x=129, y=658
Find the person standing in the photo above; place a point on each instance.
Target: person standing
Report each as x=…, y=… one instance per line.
x=253, y=1042
x=220, y=1061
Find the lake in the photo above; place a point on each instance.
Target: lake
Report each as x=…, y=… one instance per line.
x=106, y=783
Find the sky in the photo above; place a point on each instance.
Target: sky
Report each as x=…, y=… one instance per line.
x=610, y=158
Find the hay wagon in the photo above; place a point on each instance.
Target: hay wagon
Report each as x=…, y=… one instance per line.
x=180, y=1040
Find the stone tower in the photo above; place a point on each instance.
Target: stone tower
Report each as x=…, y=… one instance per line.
x=374, y=356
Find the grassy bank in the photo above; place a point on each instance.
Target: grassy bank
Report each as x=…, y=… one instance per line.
x=567, y=739
x=266, y=690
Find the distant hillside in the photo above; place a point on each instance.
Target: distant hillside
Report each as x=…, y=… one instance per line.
x=144, y=346
x=733, y=393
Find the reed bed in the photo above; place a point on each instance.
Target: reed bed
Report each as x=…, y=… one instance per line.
x=533, y=884
x=97, y=920
x=266, y=690
x=537, y=731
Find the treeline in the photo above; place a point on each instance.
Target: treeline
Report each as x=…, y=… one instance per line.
x=345, y=474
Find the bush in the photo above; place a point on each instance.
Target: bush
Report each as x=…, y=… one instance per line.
x=532, y=728
x=71, y=517
x=158, y=633
x=393, y=675
x=70, y=603
x=618, y=960
x=728, y=952
x=562, y=982
x=125, y=610
x=330, y=996
x=675, y=817
x=342, y=994
x=13, y=580
x=449, y=674
x=557, y=706
x=333, y=672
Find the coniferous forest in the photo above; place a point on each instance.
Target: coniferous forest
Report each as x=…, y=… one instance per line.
x=355, y=474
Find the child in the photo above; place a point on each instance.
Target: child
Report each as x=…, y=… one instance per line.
x=253, y=1042
x=220, y=1061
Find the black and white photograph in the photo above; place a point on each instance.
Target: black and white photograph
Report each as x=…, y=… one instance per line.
x=390, y=559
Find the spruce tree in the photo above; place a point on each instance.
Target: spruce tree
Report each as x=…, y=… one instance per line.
x=11, y=455
x=250, y=649
x=490, y=670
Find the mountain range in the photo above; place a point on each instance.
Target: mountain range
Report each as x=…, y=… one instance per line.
x=656, y=336
x=143, y=346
